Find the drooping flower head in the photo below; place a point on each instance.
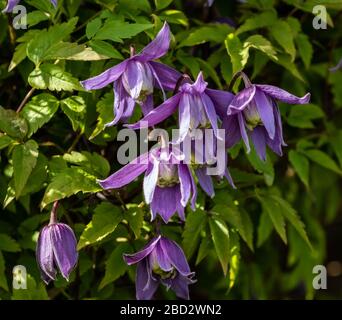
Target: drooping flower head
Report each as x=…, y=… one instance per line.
x=56, y=250
x=135, y=78
x=12, y=3
x=198, y=107
x=254, y=113
x=168, y=183
x=161, y=261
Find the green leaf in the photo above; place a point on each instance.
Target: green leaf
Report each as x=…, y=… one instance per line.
x=92, y=27
x=91, y=162
x=104, y=48
x=209, y=33
x=194, y=223
x=43, y=45
x=265, y=228
x=336, y=142
x=285, y=61
x=323, y=160
x=238, y=219
x=63, y=50
x=39, y=111
x=220, y=235
x=291, y=215
x=8, y=244
x=281, y=32
x=105, y=109
x=3, y=280
x=12, y=124
x=54, y=78
x=115, y=265
x=36, y=17
x=234, y=263
x=5, y=141
x=34, y=291
x=135, y=218
x=274, y=212
x=234, y=48
x=304, y=48
x=257, y=42
x=262, y=20
x=68, y=182
x=117, y=30
x=162, y=4
x=174, y=16
x=301, y=166
x=24, y=159
x=301, y=116
x=105, y=220
x=203, y=250
x=75, y=108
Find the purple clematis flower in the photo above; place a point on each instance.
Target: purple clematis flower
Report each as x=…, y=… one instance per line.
x=12, y=3
x=135, y=78
x=161, y=261
x=254, y=113
x=56, y=248
x=168, y=183
x=198, y=107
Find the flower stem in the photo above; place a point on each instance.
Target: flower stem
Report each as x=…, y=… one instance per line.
x=237, y=76
x=180, y=81
x=22, y=104
x=53, y=214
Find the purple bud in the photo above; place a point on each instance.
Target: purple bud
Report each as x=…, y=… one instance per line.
x=56, y=249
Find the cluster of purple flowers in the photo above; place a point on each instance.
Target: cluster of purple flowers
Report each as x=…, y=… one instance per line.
x=252, y=116
x=12, y=3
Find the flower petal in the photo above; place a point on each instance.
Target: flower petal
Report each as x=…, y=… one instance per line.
x=44, y=255
x=64, y=248
x=145, y=285
x=259, y=141
x=132, y=78
x=283, y=95
x=205, y=181
x=157, y=47
x=162, y=258
x=147, y=105
x=243, y=131
x=158, y=114
x=185, y=183
x=10, y=5
x=180, y=286
x=231, y=126
x=184, y=117
x=126, y=174
x=138, y=256
x=176, y=256
x=150, y=181
x=167, y=77
x=200, y=85
x=265, y=110
x=221, y=100
x=241, y=100
x=165, y=202
x=211, y=113
x=105, y=78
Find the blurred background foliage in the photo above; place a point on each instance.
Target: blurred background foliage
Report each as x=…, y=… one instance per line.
x=248, y=243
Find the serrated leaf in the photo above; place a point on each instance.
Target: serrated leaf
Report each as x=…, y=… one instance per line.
x=75, y=108
x=304, y=48
x=92, y=27
x=194, y=223
x=104, y=48
x=301, y=166
x=68, y=182
x=115, y=265
x=220, y=235
x=5, y=141
x=262, y=20
x=301, y=116
x=203, y=250
x=39, y=111
x=12, y=123
x=24, y=159
x=104, y=221
x=265, y=228
x=234, y=263
x=135, y=218
x=63, y=50
x=8, y=244
x=323, y=160
x=234, y=48
x=52, y=77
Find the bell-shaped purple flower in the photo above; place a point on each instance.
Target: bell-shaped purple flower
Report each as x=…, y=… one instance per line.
x=254, y=113
x=135, y=78
x=168, y=183
x=56, y=249
x=161, y=261
x=198, y=107
x=12, y=3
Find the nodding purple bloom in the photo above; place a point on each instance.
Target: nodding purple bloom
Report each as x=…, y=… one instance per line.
x=198, y=107
x=161, y=261
x=135, y=78
x=168, y=183
x=254, y=113
x=12, y=3
x=56, y=249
